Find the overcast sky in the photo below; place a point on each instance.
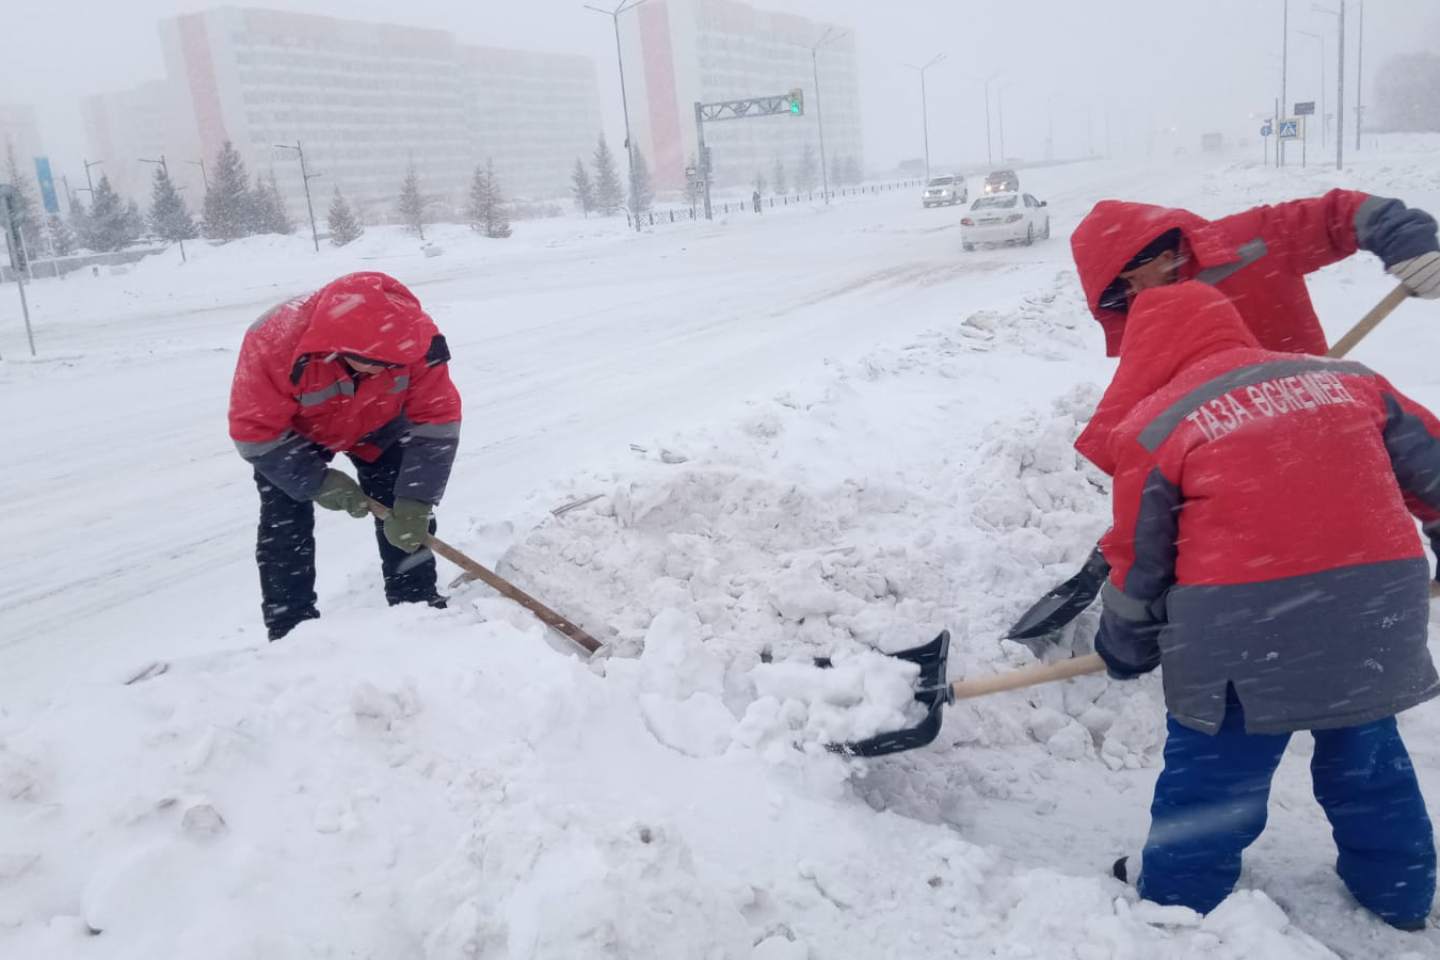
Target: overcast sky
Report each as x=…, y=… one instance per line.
x=1149, y=64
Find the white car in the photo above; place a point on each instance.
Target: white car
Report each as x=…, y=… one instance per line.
x=945, y=191
x=1005, y=218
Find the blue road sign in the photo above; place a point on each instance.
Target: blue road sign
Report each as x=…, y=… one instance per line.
x=1289, y=129
x=47, y=185
x=1266, y=130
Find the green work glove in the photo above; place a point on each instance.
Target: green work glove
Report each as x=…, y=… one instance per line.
x=339, y=492
x=408, y=524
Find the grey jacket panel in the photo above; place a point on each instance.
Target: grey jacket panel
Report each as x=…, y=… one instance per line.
x=1333, y=649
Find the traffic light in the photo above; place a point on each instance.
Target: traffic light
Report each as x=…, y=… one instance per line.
x=797, y=102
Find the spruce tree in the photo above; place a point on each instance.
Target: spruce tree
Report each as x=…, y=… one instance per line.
x=778, y=180
x=62, y=239
x=582, y=188
x=105, y=226
x=809, y=175
x=229, y=206
x=413, y=205
x=268, y=208
x=169, y=217
x=760, y=184
x=132, y=224
x=79, y=221
x=642, y=190
x=487, y=207
x=24, y=209
x=853, y=174
x=609, y=194
x=341, y=222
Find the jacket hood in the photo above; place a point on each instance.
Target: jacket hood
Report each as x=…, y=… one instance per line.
x=370, y=315
x=1113, y=232
x=1169, y=329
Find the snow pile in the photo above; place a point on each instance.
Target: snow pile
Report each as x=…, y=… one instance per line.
x=467, y=795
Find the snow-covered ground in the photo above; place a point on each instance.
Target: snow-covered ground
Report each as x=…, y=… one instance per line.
x=816, y=433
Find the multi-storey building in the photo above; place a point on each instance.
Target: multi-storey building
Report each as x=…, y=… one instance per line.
x=365, y=101
x=20, y=134
x=678, y=52
x=120, y=128
x=532, y=114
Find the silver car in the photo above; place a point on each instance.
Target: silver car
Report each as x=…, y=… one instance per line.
x=945, y=192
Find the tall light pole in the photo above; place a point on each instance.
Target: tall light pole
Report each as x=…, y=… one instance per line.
x=1000, y=98
x=924, y=106
x=12, y=234
x=614, y=16
x=1340, y=84
x=88, y=182
x=989, y=155
x=165, y=168
x=305, y=177
x=203, y=175
x=1324, y=110
x=825, y=38
x=1284, y=75
x=1360, y=77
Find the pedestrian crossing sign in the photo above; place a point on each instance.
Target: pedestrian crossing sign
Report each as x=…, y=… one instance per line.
x=1290, y=128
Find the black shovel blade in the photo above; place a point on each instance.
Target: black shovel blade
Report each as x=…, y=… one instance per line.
x=932, y=689
x=1064, y=603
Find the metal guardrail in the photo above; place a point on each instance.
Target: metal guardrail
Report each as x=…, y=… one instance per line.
x=60, y=266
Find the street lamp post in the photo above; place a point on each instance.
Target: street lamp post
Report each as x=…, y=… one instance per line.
x=1000, y=98
x=305, y=177
x=819, y=116
x=12, y=231
x=165, y=168
x=614, y=16
x=989, y=155
x=88, y=182
x=924, y=108
x=203, y=175
x=1340, y=83
x=1360, y=77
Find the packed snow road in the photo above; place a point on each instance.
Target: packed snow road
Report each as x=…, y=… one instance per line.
x=869, y=437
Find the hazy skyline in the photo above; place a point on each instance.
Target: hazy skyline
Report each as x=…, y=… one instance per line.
x=1148, y=65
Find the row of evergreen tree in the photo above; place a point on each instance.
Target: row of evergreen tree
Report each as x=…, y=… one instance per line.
x=844, y=171
x=485, y=209
x=602, y=191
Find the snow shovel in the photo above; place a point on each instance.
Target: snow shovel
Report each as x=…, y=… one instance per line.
x=504, y=587
x=1067, y=601
x=935, y=693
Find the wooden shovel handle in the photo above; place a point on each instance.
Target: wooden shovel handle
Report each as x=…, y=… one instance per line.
x=1379, y=312
x=503, y=587
x=1028, y=676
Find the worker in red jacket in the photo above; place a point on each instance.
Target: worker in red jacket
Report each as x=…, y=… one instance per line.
x=357, y=368
x=1264, y=553
x=1258, y=259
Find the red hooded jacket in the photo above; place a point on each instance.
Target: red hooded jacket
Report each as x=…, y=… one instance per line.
x=1258, y=259
x=1261, y=533
x=294, y=401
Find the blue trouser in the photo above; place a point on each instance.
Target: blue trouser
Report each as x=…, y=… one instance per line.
x=1210, y=804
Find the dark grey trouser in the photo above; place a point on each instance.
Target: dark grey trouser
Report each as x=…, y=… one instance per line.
x=285, y=549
